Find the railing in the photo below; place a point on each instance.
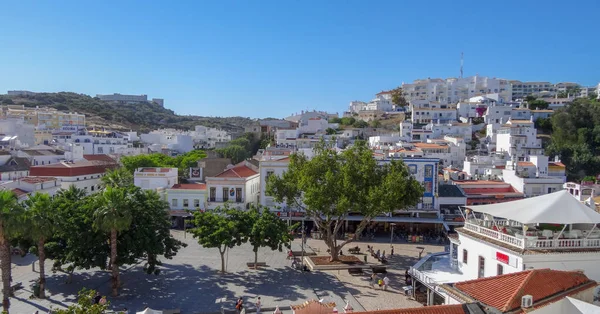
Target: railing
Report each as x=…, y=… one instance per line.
x=420, y=276
x=225, y=199
x=533, y=243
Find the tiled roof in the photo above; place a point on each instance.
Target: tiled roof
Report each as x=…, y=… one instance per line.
x=520, y=121
x=504, y=292
x=189, y=186
x=525, y=164
x=238, y=171
x=439, y=309
x=100, y=157
x=18, y=192
x=16, y=164
x=78, y=168
x=34, y=180
x=430, y=145
x=476, y=182
x=556, y=164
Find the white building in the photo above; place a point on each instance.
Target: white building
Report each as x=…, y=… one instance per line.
x=26, y=186
x=303, y=117
x=536, y=176
x=453, y=90
x=84, y=174
x=435, y=115
x=12, y=168
x=519, y=138
x=186, y=196
x=553, y=231
x=316, y=125
x=523, y=89
x=154, y=178
x=102, y=142
x=124, y=98
x=24, y=132
x=168, y=140
x=238, y=184
x=274, y=161
x=205, y=137
x=42, y=155
x=439, y=130
x=485, y=166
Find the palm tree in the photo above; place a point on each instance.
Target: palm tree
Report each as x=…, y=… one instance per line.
x=41, y=227
x=10, y=223
x=112, y=216
x=119, y=177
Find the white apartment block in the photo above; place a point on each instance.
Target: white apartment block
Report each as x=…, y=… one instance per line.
x=303, y=117
x=123, y=98
x=165, y=140
x=435, y=115
x=536, y=176
x=205, y=137
x=453, y=90
x=24, y=132
x=47, y=118
x=102, y=142
x=523, y=89
x=24, y=187
x=485, y=166
x=238, y=185
x=274, y=161
x=316, y=125
x=439, y=130
x=518, y=139
x=186, y=196
x=150, y=178
x=20, y=93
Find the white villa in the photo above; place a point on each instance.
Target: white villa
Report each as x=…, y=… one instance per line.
x=553, y=231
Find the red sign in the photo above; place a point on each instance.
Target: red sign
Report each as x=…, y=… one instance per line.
x=503, y=258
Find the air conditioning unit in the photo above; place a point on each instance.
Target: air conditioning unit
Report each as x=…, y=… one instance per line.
x=526, y=301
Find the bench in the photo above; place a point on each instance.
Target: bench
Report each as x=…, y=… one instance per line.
x=354, y=250
x=355, y=271
x=379, y=269
x=258, y=264
x=16, y=287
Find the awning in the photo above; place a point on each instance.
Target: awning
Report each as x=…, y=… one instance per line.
x=555, y=208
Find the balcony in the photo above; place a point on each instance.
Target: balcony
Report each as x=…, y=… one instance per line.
x=225, y=199
x=535, y=240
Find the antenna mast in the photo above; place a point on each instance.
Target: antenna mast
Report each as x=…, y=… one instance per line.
x=461, y=64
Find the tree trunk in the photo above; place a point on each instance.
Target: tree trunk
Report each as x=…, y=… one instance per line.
x=42, y=259
x=255, y=258
x=115, y=264
x=222, y=260
x=5, y=265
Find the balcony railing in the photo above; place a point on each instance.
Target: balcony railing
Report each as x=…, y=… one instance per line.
x=532, y=242
x=225, y=199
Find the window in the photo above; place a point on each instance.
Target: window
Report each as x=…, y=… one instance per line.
x=213, y=194
x=174, y=202
x=225, y=194
x=428, y=171
x=499, y=270
x=92, y=188
x=412, y=169
x=481, y=267
x=196, y=203
x=238, y=195
x=186, y=202
x=270, y=173
x=465, y=256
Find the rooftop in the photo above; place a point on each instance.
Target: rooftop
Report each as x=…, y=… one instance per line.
x=34, y=180
x=241, y=170
x=154, y=170
x=189, y=186
x=504, y=292
x=450, y=190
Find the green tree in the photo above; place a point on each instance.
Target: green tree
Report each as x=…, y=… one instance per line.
x=234, y=152
x=348, y=120
x=375, y=123
x=330, y=131
x=360, y=124
x=398, y=97
x=40, y=221
x=11, y=222
x=331, y=186
x=537, y=104
x=221, y=228
x=85, y=304
x=265, y=229
x=119, y=177
x=113, y=216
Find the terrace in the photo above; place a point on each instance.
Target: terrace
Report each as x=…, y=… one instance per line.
x=555, y=221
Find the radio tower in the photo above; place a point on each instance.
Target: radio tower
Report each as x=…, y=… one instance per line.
x=461, y=64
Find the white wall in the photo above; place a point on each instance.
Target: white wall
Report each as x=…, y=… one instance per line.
x=191, y=195
x=586, y=261
x=475, y=249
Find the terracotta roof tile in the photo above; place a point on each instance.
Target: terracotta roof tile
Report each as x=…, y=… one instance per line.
x=238, y=171
x=100, y=157
x=18, y=192
x=505, y=292
x=439, y=309
x=556, y=164
x=189, y=186
x=525, y=164
x=34, y=180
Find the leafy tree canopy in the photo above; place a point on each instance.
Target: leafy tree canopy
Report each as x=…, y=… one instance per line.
x=330, y=186
x=265, y=229
x=576, y=138
x=181, y=162
x=398, y=97
x=85, y=304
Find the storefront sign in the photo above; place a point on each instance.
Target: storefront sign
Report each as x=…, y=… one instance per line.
x=571, y=185
x=503, y=258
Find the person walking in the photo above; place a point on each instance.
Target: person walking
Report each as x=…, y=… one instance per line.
x=239, y=305
x=392, y=251
x=258, y=305
x=386, y=282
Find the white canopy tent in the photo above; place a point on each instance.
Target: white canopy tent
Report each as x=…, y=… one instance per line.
x=554, y=208
x=149, y=311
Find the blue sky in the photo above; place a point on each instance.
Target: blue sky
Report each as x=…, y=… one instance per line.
x=272, y=58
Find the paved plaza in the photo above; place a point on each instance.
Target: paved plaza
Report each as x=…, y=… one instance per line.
x=192, y=282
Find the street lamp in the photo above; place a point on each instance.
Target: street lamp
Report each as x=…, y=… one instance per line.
x=392, y=234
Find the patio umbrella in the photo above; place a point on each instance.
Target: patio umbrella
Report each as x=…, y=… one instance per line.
x=149, y=311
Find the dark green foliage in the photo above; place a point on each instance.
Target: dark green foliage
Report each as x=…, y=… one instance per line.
x=398, y=97
x=330, y=131
x=85, y=304
x=537, y=104
x=241, y=148
x=544, y=125
x=182, y=162
x=576, y=138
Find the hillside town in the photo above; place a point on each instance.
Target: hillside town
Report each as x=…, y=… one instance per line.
x=494, y=210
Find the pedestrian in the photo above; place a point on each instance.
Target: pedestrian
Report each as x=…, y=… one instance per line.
x=258, y=305
x=365, y=258
x=239, y=305
x=380, y=284
x=383, y=254
x=392, y=252
x=378, y=253
x=406, y=276
x=386, y=282
x=373, y=280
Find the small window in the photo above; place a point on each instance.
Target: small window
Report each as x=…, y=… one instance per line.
x=92, y=188
x=465, y=256
x=196, y=203
x=174, y=202
x=499, y=269
x=185, y=202
x=481, y=267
